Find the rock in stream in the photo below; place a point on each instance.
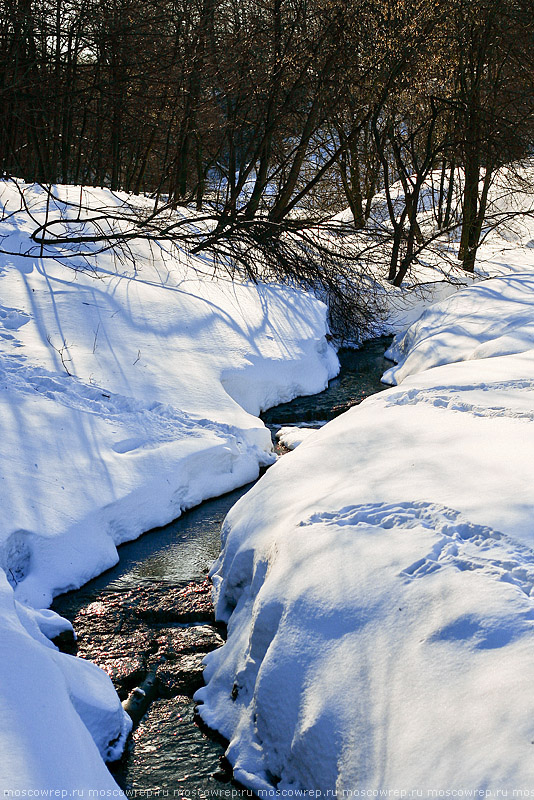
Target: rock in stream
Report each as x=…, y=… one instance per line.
x=164, y=630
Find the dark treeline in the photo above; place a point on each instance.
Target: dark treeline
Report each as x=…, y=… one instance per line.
x=272, y=109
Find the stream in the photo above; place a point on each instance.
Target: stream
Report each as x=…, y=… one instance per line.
x=151, y=615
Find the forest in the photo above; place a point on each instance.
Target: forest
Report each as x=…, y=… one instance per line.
x=271, y=115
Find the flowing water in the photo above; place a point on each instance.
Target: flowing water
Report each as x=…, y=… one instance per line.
x=151, y=610
x=359, y=377
x=151, y=615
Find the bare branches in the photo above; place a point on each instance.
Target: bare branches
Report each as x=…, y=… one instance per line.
x=62, y=353
x=247, y=126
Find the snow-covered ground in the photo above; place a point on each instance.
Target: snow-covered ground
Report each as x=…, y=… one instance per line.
x=127, y=394
x=489, y=319
x=293, y=435
x=129, y=385
x=378, y=582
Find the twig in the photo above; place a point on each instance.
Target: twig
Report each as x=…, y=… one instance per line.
x=96, y=337
x=61, y=351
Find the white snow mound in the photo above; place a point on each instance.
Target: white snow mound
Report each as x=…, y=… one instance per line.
x=128, y=385
x=291, y=436
x=491, y=318
x=60, y=714
x=378, y=582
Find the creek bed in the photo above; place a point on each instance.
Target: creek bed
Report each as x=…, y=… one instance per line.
x=152, y=612
x=151, y=615
x=358, y=378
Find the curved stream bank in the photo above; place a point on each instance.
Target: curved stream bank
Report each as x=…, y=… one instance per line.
x=151, y=617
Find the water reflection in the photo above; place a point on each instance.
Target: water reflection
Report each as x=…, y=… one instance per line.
x=176, y=553
x=169, y=752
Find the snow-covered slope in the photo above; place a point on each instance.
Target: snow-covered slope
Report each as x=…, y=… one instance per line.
x=127, y=394
x=493, y=317
x=378, y=582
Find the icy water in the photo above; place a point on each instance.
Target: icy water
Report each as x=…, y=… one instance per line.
x=359, y=377
x=153, y=606
x=151, y=615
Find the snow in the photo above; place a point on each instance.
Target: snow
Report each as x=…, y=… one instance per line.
x=378, y=582
x=59, y=713
x=291, y=436
x=492, y=318
x=128, y=393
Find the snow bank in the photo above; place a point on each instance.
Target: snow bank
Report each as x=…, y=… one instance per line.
x=127, y=394
x=292, y=436
x=60, y=714
x=495, y=317
x=378, y=582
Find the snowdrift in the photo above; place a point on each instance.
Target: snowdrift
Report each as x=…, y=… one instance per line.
x=492, y=318
x=60, y=714
x=378, y=582
x=129, y=384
